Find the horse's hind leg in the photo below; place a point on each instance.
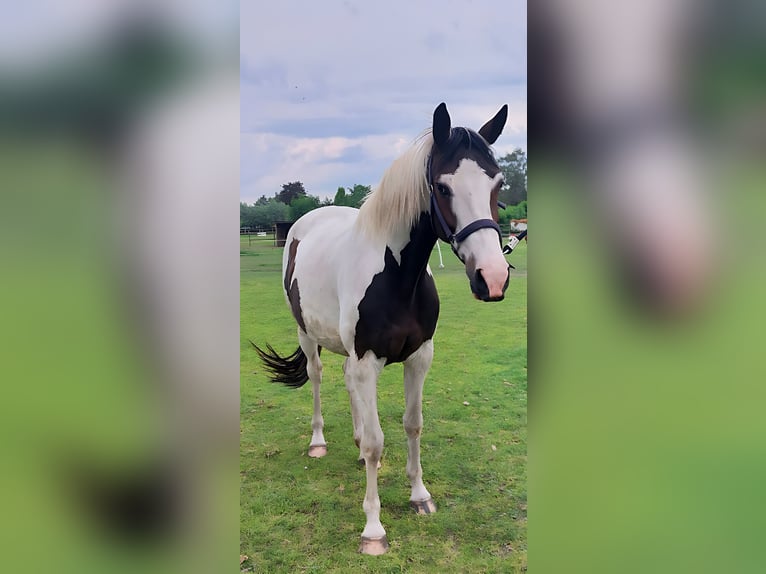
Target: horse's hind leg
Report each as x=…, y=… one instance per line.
x=354, y=412
x=415, y=369
x=318, y=446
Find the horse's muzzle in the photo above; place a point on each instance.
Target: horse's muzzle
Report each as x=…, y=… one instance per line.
x=494, y=290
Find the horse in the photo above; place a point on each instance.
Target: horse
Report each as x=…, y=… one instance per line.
x=358, y=284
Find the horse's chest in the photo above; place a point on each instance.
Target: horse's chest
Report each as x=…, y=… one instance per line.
x=393, y=322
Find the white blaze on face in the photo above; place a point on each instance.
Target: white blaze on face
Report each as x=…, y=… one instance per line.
x=471, y=191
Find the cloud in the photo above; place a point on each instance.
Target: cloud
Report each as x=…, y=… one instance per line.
x=322, y=164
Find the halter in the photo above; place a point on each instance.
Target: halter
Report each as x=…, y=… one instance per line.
x=455, y=239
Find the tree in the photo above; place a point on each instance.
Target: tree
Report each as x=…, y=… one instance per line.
x=244, y=214
x=513, y=212
x=358, y=193
x=302, y=205
x=263, y=215
x=514, y=168
x=291, y=191
x=272, y=212
x=353, y=198
x=518, y=211
x=340, y=197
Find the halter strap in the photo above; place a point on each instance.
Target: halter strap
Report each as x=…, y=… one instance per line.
x=461, y=235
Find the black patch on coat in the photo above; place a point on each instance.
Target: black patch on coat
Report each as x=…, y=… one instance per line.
x=400, y=308
x=291, y=286
x=462, y=143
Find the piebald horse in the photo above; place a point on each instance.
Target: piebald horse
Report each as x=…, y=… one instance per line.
x=358, y=284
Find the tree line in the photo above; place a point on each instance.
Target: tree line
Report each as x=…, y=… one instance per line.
x=293, y=201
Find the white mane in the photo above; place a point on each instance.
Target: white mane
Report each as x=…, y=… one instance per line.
x=396, y=202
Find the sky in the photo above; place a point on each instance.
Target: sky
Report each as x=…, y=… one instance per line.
x=333, y=91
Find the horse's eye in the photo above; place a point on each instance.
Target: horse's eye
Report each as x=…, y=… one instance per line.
x=443, y=190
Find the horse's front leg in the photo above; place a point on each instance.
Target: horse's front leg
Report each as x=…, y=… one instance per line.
x=362, y=376
x=355, y=417
x=415, y=369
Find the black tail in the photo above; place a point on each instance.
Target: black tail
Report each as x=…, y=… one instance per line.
x=290, y=370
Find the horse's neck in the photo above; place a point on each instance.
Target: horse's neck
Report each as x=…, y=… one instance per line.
x=414, y=250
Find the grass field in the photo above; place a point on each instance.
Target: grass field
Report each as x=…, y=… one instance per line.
x=305, y=515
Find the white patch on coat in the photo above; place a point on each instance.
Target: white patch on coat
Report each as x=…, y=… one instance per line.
x=471, y=200
x=471, y=189
x=334, y=265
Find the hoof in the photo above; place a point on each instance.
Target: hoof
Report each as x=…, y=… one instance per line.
x=317, y=450
x=373, y=546
x=423, y=506
x=363, y=463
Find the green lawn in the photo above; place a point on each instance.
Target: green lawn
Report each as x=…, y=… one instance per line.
x=303, y=514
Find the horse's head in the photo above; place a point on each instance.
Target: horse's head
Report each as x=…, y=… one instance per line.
x=465, y=181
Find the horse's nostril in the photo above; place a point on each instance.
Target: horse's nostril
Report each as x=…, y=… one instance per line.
x=479, y=286
x=481, y=283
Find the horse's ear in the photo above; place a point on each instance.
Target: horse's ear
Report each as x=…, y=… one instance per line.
x=441, y=127
x=494, y=127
